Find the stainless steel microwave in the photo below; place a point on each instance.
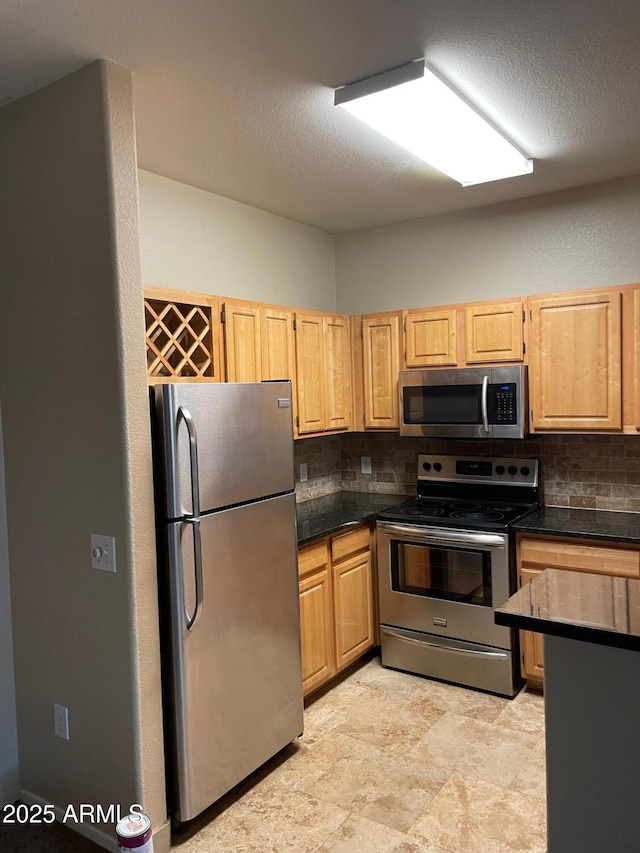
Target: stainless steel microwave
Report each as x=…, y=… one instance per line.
x=465, y=402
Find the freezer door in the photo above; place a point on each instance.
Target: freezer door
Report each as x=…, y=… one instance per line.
x=236, y=683
x=235, y=440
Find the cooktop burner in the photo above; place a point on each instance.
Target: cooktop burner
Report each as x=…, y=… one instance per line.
x=487, y=494
x=478, y=515
x=422, y=510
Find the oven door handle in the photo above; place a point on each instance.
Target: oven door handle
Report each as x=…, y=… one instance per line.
x=451, y=537
x=442, y=648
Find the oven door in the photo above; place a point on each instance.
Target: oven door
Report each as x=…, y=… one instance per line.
x=444, y=582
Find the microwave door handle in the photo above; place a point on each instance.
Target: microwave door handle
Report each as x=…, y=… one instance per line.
x=483, y=403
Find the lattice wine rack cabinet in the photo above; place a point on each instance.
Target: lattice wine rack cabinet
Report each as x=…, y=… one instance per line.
x=183, y=334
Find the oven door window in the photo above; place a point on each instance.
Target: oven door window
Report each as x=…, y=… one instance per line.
x=450, y=574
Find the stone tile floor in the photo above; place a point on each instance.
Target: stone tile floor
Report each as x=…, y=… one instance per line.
x=393, y=763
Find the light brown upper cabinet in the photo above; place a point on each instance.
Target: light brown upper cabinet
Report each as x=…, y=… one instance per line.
x=575, y=361
x=323, y=360
x=381, y=341
x=183, y=336
x=631, y=359
x=431, y=338
x=259, y=342
x=277, y=343
x=338, y=399
x=242, y=342
x=494, y=332
x=455, y=335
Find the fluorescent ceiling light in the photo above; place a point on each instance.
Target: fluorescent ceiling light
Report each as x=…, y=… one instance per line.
x=414, y=108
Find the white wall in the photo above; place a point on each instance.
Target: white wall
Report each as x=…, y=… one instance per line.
x=563, y=241
x=195, y=240
x=9, y=781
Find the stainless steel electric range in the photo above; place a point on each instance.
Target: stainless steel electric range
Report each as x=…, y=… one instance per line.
x=445, y=561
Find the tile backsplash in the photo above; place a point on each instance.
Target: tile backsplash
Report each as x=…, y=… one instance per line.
x=323, y=460
x=588, y=471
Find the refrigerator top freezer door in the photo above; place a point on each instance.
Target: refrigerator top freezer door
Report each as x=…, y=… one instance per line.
x=222, y=444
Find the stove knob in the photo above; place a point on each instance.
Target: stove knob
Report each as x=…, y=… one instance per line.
x=426, y=466
x=437, y=466
x=525, y=471
x=499, y=469
x=512, y=470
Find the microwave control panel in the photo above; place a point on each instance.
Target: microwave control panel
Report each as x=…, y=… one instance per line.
x=502, y=403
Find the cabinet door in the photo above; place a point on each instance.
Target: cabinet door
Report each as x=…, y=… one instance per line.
x=575, y=362
x=530, y=642
x=337, y=342
x=278, y=346
x=494, y=333
x=242, y=342
x=431, y=338
x=381, y=363
x=310, y=373
x=316, y=634
x=580, y=556
x=353, y=608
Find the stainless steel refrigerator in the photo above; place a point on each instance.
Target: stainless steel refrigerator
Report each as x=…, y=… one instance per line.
x=228, y=576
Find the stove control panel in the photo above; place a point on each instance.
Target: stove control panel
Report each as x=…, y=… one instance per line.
x=465, y=469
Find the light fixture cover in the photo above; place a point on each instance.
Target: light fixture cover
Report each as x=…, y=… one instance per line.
x=414, y=108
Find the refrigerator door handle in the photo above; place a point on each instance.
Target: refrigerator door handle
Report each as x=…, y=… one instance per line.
x=197, y=562
x=185, y=414
x=194, y=520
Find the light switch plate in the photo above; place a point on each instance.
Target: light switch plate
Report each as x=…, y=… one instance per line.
x=103, y=552
x=365, y=464
x=303, y=472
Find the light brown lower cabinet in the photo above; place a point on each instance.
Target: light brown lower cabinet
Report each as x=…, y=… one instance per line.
x=531, y=646
x=336, y=605
x=316, y=630
x=536, y=553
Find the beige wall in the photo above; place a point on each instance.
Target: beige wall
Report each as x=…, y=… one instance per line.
x=194, y=240
x=77, y=447
x=580, y=238
x=9, y=780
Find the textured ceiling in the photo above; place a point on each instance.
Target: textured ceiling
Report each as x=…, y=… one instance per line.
x=236, y=96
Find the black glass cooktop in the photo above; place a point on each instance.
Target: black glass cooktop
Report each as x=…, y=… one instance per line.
x=471, y=514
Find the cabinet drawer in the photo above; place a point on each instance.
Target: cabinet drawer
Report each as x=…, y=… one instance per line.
x=584, y=558
x=312, y=557
x=350, y=543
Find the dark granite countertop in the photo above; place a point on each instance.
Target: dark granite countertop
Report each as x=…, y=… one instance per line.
x=588, y=523
x=579, y=606
x=332, y=513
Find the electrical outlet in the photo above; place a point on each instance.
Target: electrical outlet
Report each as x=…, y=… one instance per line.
x=365, y=464
x=303, y=472
x=61, y=721
x=103, y=552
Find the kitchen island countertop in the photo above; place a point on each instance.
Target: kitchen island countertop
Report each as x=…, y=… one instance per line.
x=592, y=608
x=583, y=523
x=337, y=512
